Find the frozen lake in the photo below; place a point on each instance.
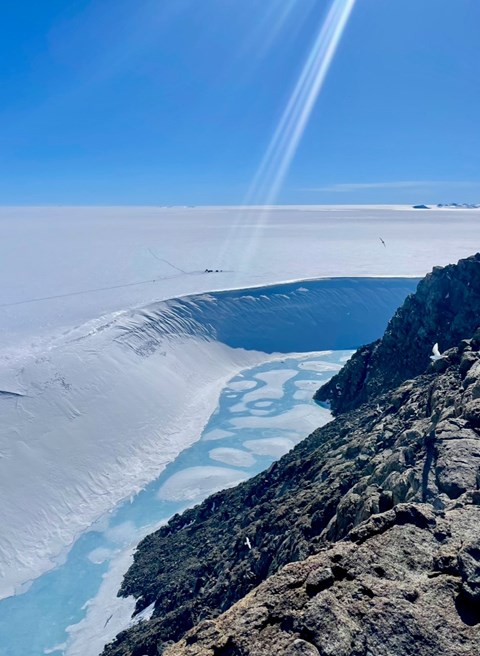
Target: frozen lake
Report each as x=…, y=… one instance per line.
x=262, y=413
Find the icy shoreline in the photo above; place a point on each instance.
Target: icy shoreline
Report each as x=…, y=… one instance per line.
x=91, y=408
x=96, y=472
x=106, y=408
x=59, y=615
x=108, y=614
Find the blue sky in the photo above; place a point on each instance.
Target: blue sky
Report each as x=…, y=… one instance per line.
x=175, y=101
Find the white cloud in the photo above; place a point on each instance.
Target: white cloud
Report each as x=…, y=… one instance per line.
x=348, y=187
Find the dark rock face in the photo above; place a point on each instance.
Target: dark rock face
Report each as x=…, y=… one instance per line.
x=395, y=476
x=444, y=309
x=395, y=592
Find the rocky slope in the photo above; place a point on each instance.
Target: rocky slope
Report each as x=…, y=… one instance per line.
x=382, y=508
x=444, y=309
x=404, y=583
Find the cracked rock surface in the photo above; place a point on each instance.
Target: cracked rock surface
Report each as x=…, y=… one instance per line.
x=397, y=588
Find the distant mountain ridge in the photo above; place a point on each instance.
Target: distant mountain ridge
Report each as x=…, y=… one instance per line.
x=452, y=206
x=460, y=206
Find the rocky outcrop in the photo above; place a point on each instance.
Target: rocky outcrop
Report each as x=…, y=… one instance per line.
x=381, y=507
x=399, y=585
x=444, y=309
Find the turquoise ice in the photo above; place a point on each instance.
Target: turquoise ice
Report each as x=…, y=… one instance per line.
x=259, y=417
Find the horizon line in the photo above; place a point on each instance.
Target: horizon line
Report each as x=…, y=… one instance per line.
x=436, y=205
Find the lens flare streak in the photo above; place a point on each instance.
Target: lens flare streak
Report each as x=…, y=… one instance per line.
x=283, y=146
x=294, y=120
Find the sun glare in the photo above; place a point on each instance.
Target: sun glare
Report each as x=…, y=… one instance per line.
x=287, y=136
x=294, y=120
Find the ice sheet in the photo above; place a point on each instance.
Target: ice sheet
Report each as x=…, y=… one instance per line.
x=230, y=456
x=197, y=482
x=87, y=420
x=92, y=261
x=270, y=446
x=300, y=418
